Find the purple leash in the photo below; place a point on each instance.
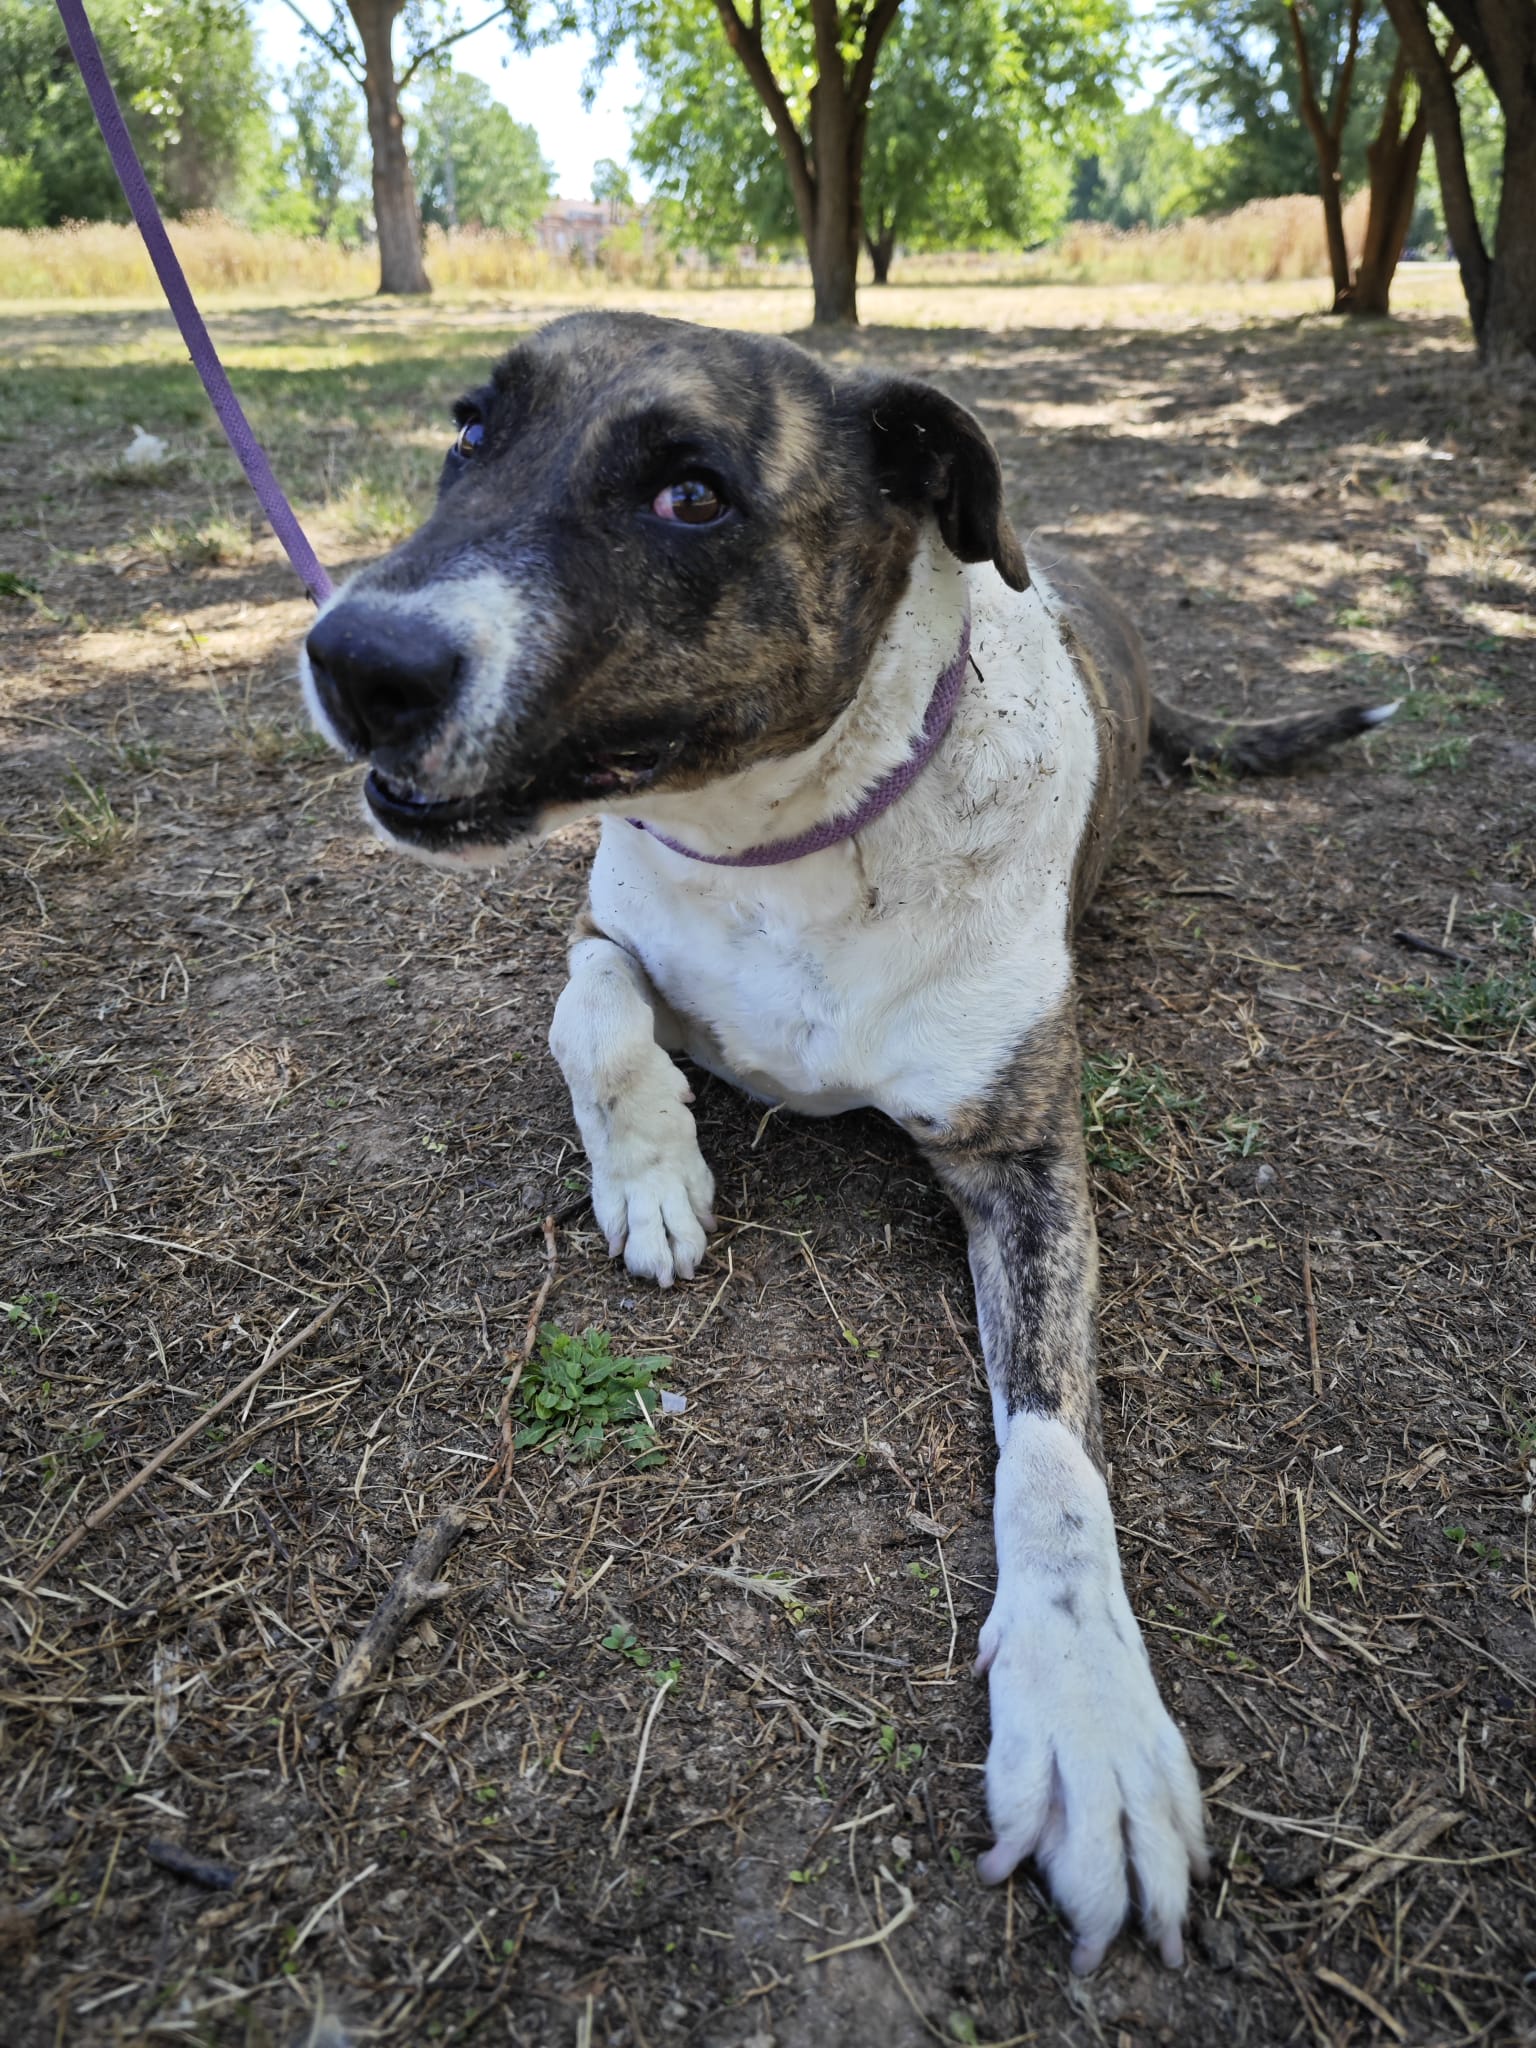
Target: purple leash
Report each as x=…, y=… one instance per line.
x=205, y=357
x=774, y=852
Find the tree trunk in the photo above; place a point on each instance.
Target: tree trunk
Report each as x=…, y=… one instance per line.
x=1501, y=36
x=1438, y=89
x=1509, y=335
x=882, y=248
x=1327, y=132
x=826, y=178
x=1393, y=159
x=396, y=214
x=836, y=147
x=1332, y=193
x=880, y=241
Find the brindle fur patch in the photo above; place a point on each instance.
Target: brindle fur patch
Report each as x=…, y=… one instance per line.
x=1015, y=1166
x=1107, y=652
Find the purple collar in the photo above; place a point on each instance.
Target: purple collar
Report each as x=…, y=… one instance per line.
x=774, y=852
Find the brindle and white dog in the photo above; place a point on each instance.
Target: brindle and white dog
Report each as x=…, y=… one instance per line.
x=859, y=766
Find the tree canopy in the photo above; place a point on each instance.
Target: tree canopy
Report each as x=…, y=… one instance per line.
x=1144, y=171
x=972, y=114
x=1235, y=63
x=475, y=165
x=186, y=74
x=329, y=153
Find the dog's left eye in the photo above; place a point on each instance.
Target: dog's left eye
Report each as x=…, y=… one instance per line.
x=471, y=439
x=693, y=500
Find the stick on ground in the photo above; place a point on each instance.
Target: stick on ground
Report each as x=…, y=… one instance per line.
x=416, y=1587
x=198, y=1870
x=147, y=1471
x=1311, y=1308
x=502, y=1468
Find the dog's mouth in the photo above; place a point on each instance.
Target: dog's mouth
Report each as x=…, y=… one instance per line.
x=417, y=816
x=619, y=772
x=398, y=803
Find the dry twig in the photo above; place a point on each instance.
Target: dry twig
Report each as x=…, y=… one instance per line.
x=502, y=1468
x=147, y=1471
x=416, y=1587
x=663, y=1688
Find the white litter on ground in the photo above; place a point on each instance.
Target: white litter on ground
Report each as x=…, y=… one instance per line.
x=145, y=451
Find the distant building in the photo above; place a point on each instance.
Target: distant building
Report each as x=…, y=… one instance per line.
x=570, y=226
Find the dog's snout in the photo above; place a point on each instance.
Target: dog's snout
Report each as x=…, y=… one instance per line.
x=382, y=678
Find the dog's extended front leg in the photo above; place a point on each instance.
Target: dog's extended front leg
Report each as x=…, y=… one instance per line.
x=652, y=1194
x=1086, y=1771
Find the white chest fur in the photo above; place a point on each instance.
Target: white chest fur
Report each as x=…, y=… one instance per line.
x=899, y=969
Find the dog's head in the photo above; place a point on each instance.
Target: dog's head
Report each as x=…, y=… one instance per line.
x=660, y=553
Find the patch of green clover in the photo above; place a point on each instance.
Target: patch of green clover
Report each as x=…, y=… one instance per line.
x=576, y=1393
x=623, y=1641
x=30, y=1312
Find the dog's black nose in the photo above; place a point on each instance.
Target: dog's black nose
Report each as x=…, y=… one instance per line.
x=382, y=677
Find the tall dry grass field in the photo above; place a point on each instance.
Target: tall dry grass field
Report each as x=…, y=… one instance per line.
x=1265, y=242
x=107, y=260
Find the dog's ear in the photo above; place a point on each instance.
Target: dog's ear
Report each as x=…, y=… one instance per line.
x=931, y=451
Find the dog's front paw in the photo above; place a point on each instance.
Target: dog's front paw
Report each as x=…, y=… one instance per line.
x=1086, y=1771
x=652, y=1193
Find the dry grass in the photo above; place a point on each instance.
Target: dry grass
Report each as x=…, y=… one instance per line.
x=104, y=260
x=1260, y=243
x=1265, y=242
x=255, y=1069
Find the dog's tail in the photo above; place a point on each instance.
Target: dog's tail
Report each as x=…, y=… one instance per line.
x=1261, y=746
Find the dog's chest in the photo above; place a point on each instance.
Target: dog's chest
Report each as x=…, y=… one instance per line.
x=788, y=1002
x=902, y=969
x=851, y=984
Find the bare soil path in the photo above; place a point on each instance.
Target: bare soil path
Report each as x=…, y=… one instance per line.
x=254, y=1067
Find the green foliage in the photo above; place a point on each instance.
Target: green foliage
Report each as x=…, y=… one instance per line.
x=1484, y=1552
x=30, y=1312
x=1242, y=1136
x=574, y=1390
x=905, y=1756
x=973, y=111
x=324, y=168
x=623, y=1641
x=186, y=75
x=700, y=134
x=1450, y=752
x=476, y=166
x=973, y=115
x=23, y=195
x=1145, y=172
x=1127, y=1108
x=610, y=183
x=1492, y=1008
x=1234, y=63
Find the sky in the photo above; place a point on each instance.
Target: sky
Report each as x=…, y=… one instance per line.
x=543, y=88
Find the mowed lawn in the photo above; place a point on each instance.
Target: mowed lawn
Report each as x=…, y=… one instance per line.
x=672, y=1730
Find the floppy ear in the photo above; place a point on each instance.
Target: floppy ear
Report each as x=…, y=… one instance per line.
x=931, y=451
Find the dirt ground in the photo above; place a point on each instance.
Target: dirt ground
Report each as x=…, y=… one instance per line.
x=668, y=1734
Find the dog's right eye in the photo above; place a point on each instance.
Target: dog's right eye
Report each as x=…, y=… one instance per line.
x=692, y=500
x=471, y=440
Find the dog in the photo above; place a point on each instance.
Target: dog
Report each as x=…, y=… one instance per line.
x=859, y=761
